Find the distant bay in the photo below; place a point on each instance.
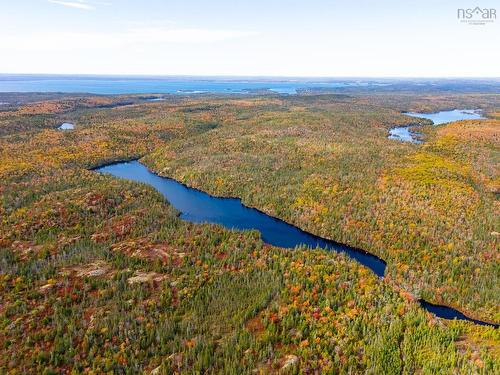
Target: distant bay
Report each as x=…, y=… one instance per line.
x=165, y=85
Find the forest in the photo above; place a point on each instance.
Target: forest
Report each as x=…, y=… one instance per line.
x=100, y=275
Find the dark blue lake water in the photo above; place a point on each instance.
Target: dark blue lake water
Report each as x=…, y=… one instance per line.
x=161, y=85
x=449, y=313
x=199, y=207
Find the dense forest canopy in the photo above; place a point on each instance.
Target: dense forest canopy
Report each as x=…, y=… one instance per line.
x=99, y=274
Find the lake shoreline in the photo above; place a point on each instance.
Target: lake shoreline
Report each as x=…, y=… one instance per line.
x=444, y=310
x=403, y=134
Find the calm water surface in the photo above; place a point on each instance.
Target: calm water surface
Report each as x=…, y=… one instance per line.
x=161, y=85
x=66, y=126
x=199, y=207
x=444, y=117
x=404, y=134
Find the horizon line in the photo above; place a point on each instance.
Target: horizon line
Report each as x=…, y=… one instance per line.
x=126, y=75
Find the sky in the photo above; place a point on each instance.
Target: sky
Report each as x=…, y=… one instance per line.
x=308, y=38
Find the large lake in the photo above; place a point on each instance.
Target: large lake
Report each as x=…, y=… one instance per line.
x=199, y=207
x=165, y=85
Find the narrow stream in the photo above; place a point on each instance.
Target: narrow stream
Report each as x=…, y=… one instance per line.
x=199, y=207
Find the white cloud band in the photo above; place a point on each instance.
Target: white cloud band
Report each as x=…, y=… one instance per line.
x=79, y=4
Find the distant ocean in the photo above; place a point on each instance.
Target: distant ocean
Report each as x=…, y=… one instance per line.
x=162, y=85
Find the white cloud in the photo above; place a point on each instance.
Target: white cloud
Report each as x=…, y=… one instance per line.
x=79, y=4
x=69, y=41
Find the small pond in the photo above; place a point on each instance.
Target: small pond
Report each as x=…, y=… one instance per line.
x=66, y=126
x=404, y=134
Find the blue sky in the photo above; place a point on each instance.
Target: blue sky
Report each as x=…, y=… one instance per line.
x=260, y=37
